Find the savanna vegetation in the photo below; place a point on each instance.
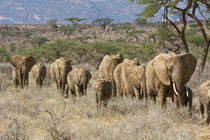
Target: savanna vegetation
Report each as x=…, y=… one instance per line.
x=42, y=113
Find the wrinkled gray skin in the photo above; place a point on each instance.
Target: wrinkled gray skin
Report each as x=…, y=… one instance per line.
x=59, y=71
x=130, y=79
x=204, y=98
x=103, y=92
x=39, y=72
x=106, y=69
x=78, y=80
x=166, y=70
x=22, y=65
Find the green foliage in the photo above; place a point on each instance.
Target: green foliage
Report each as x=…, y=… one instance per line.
x=38, y=41
x=193, y=25
x=192, y=31
x=126, y=27
x=84, y=39
x=52, y=22
x=152, y=35
x=12, y=47
x=136, y=33
x=50, y=50
x=68, y=30
x=167, y=34
x=195, y=39
x=103, y=22
x=28, y=34
x=4, y=55
x=140, y=21
x=120, y=40
x=75, y=20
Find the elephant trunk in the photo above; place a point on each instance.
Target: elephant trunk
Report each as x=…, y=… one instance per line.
x=181, y=94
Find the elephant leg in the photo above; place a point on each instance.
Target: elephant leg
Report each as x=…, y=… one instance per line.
x=119, y=93
x=20, y=79
x=162, y=96
x=77, y=90
x=206, y=109
x=151, y=95
x=113, y=88
x=136, y=92
x=41, y=83
x=105, y=102
x=66, y=91
x=123, y=92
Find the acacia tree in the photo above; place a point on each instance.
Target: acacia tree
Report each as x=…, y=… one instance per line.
x=103, y=22
x=75, y=20
x=186, y=8
x=52, y=22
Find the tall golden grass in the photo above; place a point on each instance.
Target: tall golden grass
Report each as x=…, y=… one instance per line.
x=42, y=113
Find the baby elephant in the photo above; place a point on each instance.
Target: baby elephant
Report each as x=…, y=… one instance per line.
x=78, y=80
x=103, y=92
x=204, y=97
x=38, y=73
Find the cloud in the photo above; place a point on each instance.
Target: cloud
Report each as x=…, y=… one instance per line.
x=20, y=8
x=36, y=17
x=4, y=18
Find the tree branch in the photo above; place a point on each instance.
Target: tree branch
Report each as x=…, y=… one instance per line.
x=172, y=23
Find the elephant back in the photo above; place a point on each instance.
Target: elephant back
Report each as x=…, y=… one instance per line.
x=17, y=60
x=205, y=89
x=108, y=65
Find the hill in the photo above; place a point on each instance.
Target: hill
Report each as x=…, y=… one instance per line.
x=38, y=11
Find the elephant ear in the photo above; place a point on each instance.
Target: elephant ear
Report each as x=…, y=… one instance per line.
x=190, y=65
x=160, y=67
x=30, y=61
x=17, y=60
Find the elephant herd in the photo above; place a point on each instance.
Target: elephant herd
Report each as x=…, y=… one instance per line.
x=165, y=76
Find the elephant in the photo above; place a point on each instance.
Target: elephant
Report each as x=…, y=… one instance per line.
x=106, y=69
x=204, y=99
x=59, y=71
x=130, y=79
x=23, y=65
x=78, y=80
x=167, y=75
x=103, y=92
x=38, y=73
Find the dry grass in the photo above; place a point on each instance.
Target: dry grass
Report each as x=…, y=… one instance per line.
x=35, y=113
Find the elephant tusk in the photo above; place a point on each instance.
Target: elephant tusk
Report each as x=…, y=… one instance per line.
x=187, y=92
x=141, y=91
x=174, y=87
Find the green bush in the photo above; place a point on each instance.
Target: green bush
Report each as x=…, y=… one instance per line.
x=140, y=21
x=197, y=40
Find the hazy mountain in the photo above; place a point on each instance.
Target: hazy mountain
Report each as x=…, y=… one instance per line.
x=39, y=11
